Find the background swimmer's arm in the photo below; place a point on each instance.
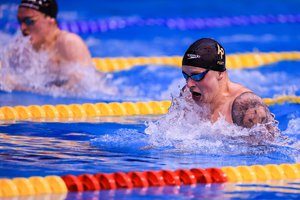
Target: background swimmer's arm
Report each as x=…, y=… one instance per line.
x=248, y=110
x=73, y=50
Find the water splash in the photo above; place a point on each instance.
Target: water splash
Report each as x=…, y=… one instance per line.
x=148, y=82
x=293, y=127
x=20, y=63
x=187, y=128
x=25, y=69
x=173, y=88
x=292, y=134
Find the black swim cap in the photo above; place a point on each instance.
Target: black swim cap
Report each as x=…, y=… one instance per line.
x=48, y=7
x=205, y=53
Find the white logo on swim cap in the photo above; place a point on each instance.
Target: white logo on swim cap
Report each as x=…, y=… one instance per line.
x=220, y=51
x=192, y=56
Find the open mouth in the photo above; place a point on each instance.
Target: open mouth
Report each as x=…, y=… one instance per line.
x=25, y=34
x=196, y=94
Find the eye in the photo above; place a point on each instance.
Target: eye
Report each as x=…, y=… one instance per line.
x=185, y=75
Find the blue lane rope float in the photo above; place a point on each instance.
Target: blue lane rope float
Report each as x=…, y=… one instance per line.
x=176, y=23
x=94, y=26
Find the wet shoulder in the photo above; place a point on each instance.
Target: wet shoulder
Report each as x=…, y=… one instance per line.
x=249, y=109
x=69, y=39
x=73, y=49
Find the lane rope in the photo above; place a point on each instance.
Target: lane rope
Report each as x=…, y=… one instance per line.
x=95, y=26
x=74, y=111
x=37, y=185
x=105, y=25
x=234, y=61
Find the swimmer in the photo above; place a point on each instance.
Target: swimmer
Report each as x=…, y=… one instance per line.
x=204, y=69
x=37, y=19
x=65, y=51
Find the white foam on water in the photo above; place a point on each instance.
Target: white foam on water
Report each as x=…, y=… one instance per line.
x=21, y=64
x=25, y=69
x=292, y=133
x=187, y=128
x=4, y=38
x=278, y=83
x=293, y=127
x=173, y=89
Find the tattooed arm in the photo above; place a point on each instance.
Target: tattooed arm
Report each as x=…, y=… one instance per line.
x=249, y=110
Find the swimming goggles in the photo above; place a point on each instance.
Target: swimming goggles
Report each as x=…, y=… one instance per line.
x=195, y=77
x=28, y=21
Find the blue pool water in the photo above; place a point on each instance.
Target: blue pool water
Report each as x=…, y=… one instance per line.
x=112, y=144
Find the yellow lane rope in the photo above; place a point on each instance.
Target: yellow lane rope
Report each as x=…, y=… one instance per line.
x=234, y=61
x=282, y=99
x=102, y=109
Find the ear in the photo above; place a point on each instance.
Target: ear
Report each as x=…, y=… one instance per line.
x=51, y=20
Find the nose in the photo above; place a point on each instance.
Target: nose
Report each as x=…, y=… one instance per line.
x=190, y=83
x=23, y=28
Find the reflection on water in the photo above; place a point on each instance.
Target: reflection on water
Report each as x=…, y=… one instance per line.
x=282, y=189
x=51, y=154
x=269, y=190
x=43, y=151
x=30, y=149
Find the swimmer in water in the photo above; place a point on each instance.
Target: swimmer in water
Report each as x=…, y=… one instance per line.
x=203, y=67
x=38, y=21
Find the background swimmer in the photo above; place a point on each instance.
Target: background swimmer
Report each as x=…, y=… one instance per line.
x=37, y=20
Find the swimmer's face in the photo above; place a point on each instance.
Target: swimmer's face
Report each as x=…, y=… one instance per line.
x=34, y=24
x=202, y=91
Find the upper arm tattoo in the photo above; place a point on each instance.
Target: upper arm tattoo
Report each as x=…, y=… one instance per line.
x=248, y=110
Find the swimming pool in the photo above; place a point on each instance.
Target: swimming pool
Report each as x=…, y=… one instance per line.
x=43, y=146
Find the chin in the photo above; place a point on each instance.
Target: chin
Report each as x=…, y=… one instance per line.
x=36, y=45
x=201, y=101
x=198, y=100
